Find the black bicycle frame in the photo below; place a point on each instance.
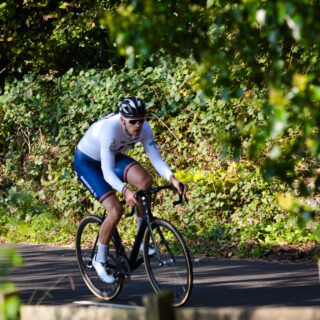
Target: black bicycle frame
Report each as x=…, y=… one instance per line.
x=134, y=263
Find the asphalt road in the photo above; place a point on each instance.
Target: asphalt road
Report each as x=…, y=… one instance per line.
x=50, y=276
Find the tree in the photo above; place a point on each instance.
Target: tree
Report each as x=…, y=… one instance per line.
x=52, y=36
x=240, y=46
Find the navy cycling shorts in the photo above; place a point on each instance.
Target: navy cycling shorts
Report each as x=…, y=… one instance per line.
x=90, y=173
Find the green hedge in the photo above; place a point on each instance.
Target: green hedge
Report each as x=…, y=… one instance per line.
x=43, y=118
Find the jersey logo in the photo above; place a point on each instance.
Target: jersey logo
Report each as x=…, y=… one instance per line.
x=112, y=147
x=154, y=144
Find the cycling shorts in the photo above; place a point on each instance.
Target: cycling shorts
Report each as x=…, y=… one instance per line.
x=90, y=173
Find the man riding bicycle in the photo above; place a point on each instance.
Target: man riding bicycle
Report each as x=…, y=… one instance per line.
x=102, y=167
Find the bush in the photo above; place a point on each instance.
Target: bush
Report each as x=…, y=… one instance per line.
x=43, y=118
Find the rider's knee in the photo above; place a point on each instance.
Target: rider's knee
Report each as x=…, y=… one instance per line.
x=147, y=182
x=116, y=211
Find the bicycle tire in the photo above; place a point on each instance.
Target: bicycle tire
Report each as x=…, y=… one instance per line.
x=174, y=271
x=86, y=238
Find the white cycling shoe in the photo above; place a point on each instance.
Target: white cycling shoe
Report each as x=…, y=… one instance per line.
x=102, y=271
x=151, y=250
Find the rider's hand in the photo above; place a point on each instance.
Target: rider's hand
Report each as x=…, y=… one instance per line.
x=176, y=183
x=130, y=198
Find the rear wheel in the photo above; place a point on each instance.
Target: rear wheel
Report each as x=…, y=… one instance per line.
x=86, y=248
x=170, y=267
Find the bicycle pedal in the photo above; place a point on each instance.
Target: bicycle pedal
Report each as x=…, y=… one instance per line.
x=123, y=277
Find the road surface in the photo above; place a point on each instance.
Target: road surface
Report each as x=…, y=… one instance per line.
x=50, y=276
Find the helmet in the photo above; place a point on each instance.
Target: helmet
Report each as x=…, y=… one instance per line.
x=132, y=107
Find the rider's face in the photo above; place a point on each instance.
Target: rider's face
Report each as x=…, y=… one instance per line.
x=133, y=126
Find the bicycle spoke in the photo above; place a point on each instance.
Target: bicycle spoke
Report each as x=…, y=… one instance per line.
x=165, y=243
x=86, y=247
x=171, y=268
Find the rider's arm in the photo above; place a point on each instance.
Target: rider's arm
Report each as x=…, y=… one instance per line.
x=153, y=153
x=159, y=164
x=107, y=154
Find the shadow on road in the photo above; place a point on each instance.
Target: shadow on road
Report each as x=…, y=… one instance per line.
x=50, y=276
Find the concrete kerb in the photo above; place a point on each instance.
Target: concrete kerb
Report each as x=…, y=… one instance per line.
x=73, y=312
x=77, y=312
x=159, y=307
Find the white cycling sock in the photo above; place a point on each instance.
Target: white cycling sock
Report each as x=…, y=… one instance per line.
x=139, y=221
x=102, y=252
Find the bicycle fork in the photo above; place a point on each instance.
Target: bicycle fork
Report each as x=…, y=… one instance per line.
x=163, y=241
x=148, y=216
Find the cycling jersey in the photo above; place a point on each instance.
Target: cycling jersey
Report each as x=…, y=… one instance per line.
x=107, y=137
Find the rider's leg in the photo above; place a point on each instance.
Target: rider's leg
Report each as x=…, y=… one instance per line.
x=114, y=212
x=141, y=179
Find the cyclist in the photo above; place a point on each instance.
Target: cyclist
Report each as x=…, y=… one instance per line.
x=102, y=166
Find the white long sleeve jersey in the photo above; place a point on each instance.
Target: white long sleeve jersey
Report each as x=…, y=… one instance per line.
x=107, y=136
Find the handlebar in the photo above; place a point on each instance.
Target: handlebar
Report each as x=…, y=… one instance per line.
x=155, y=190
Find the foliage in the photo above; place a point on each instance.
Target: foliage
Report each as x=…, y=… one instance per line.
x=10, y=305
x=44, y=117
x=238, y=47
x=52, y=36
x=223, y=81
x=37, y=228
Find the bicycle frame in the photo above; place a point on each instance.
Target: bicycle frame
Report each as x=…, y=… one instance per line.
x=134, y=263
x=152, y=232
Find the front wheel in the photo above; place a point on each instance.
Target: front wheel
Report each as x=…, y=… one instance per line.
x=169, y=268
x=86, y=248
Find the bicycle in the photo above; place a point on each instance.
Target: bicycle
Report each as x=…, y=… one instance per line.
x=169, y=268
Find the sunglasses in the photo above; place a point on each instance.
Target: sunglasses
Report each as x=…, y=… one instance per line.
x=134, y=121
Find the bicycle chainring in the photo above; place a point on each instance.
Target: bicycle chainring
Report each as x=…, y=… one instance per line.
x=123, y=271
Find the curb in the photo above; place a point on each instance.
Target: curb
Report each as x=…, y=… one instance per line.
x=73, y=312
x=79, y=313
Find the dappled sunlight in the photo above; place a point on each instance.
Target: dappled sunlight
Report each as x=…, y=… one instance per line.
x=217, y=282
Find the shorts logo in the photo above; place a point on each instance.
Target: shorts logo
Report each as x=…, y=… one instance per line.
x=88, y=186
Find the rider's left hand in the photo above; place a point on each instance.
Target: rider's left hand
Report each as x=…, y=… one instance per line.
x=176, y=183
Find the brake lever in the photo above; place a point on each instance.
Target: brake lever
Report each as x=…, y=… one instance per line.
x=178, y=201
x=180, y=196
x=133, y=209
x=131, y=213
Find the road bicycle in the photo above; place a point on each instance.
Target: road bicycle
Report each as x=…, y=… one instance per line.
x=169, y=268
